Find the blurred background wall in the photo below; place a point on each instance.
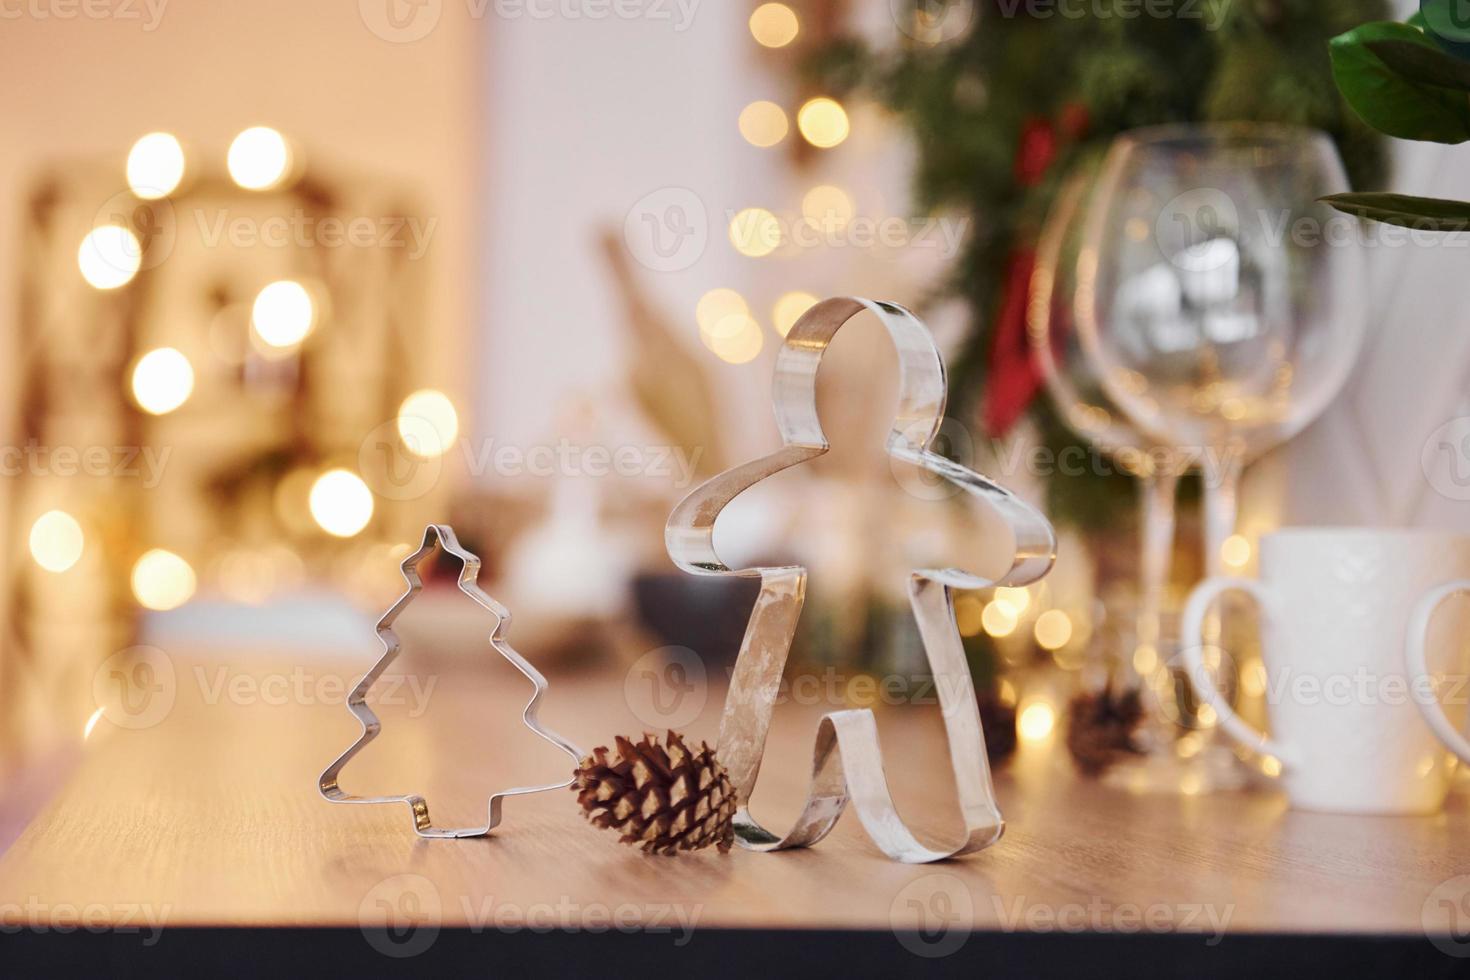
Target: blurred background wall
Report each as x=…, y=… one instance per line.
x=600, y=272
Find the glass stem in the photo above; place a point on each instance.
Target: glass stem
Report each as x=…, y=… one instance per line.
x=1222, y=504
x=1156, y=544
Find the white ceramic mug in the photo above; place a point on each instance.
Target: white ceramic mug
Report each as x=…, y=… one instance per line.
x=1335, y=605
x=1428, y=662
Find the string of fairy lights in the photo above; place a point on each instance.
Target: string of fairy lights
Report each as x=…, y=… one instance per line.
x=726, y=324
x=283, y=315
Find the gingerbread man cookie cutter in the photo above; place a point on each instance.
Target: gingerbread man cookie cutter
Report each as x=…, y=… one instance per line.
x=847, y=763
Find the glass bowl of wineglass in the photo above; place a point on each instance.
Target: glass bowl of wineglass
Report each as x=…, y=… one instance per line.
x=1221, y=303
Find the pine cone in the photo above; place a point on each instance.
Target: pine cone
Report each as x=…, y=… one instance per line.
x=1101, y=726
x=998, y=725
x=663, y=799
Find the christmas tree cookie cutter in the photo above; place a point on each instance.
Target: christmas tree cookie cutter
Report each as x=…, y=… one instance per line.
x=847, y=763
x=357, y=699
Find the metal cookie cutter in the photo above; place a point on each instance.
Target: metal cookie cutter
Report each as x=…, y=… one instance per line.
x=847, y=760
x=357, y=700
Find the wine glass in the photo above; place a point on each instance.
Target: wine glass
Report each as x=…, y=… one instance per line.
x=1074, y=389
x=1221, y=307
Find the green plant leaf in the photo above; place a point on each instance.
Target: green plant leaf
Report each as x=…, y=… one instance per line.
x=1386, y=100
x=1422, y=213
x=1426, y=66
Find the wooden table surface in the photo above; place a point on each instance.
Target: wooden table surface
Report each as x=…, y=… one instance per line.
x=211, y=817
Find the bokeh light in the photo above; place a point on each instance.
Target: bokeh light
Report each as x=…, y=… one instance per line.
x=763, y=124
x=968, y=610
x=259, y=158
x=999, y=618
x=1017, y=598
x=1053, y=629
x=828, y=207
x=1036, y=721
x=109, y=257
x=155, y=166
x=788, y=309
x=162, y=580
x=1235, y=551
x=774, y=25
x=162, y=381
x=755, y=232
x=823, y=122
x=717, y=304
x=736, y=339
x=427, y=423
x=56, y=541
x=341, y=504
x=283, y=314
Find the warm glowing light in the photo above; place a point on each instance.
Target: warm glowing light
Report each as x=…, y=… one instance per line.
x=968, y=611
x=1236, y=551
x=716, y=305
x=823, y=122
x=1189, y=745
x=1207, y=716
x=763, y=124
x=999, y=618
x=789, y=308
x=1145, y=660
x=1036, y=721
x=828, y=207
x=1019, y=599
x=162, y=381
x=155, y=166
x=1253, y=679
x=341, y=503
x=109, y=257
x=259, y=158
x=755, y=232
x=1271, y=766
x=91, y=723
x=1053, y=629
x=427, y=423
x=56, y=541
x=736, y=339
x=1006, y=691
x=162, y=580
x=774, y=25
x=283, y=314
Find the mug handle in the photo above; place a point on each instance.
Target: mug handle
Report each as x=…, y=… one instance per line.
x=1195, y=609
x=1418, y=668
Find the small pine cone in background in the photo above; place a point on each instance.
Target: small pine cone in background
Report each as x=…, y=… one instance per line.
x=662, y=798
x=1101, y=728
x=998, y=725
